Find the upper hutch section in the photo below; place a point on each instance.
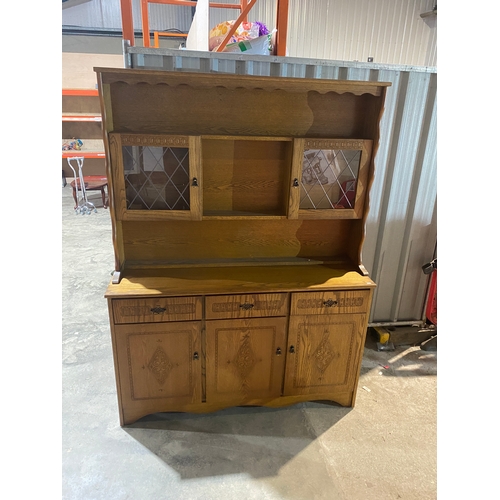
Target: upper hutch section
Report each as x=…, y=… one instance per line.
x=267, y=168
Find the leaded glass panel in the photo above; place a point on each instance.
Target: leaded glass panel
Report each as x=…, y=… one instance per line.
x=156, y=178
x=329, y=178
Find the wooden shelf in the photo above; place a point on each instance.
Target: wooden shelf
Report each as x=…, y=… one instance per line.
x=225, y=280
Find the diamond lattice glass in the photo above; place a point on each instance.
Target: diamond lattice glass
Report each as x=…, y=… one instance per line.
x=156, y=178
x=329, y=178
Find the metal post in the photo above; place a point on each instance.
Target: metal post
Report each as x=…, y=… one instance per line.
x=127, y=21
x=145, y=23
x=282, y=27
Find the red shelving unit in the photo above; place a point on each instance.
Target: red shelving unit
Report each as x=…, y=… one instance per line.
x=81, y=119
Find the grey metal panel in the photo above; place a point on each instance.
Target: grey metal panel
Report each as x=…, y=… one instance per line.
x=107, y=14
x=402, y=245
x=323, y=67
x=401, y=232
x=389, y=31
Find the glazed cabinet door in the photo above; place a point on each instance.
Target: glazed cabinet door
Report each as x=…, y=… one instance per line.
x=330, y=178
x=323, y=353
x=244, y=359
x=159, y=364
x=156, y=177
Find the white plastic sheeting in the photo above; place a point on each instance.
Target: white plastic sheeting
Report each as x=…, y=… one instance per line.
x=401, y=232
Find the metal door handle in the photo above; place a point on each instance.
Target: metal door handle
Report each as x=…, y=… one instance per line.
x=330, y=303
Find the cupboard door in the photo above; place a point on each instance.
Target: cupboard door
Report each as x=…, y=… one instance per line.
x=329, y=178
x=159, y=362
x=156, y=177
x=245, y=359
x=323, y=353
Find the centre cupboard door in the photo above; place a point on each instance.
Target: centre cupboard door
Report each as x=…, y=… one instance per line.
x=245, y=359
x=323, y=353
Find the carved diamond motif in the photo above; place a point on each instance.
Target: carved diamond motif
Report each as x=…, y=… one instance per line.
x=245, y=358
x=324, y=355
x=160, y=365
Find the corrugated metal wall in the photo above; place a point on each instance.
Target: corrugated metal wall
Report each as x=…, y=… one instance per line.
x=103, y=14
x=390, y=31
x=401, y=232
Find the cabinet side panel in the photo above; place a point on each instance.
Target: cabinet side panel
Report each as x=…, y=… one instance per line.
x=115, y=362
x=117, y=175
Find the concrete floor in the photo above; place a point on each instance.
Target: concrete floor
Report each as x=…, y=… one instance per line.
x=384, y=448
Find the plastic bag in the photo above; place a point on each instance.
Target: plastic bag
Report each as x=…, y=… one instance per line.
x=257, y=46
x=244, y=33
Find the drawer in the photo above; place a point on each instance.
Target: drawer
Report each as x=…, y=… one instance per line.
x=331, y=302
x=256, y=305
x=157, y=310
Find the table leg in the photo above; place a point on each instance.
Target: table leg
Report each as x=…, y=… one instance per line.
x=75, y=197
x=103, y=194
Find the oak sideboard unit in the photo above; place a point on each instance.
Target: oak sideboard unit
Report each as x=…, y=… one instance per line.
x=238, y=206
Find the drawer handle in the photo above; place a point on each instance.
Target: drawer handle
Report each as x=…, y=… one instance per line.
x=292, y=349
x=158, y=310
x=196, y=356
x=278, y=351
x=246, y=306
x=330, y=303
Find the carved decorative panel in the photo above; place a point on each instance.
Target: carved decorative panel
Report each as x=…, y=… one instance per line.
x=245, y=359
x=160, y=365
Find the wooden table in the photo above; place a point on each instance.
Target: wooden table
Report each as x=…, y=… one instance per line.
x=92, y=183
